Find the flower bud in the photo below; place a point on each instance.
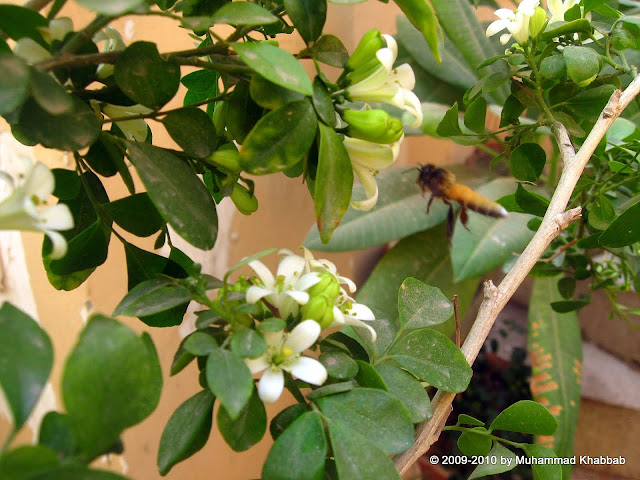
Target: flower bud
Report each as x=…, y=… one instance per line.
x=373, y=125
x=225, y=157
x=243, y=200
x=327, y=286
x=320, y=309
x=537, y=22
x=366, y=50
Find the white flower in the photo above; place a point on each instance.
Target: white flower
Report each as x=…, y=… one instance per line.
x=284, y=353
x=286, y=291
x=135, y=130
x=28, y=186
x=367, y=159
x=386, y=84
x=516, y=22
x=112, y=42
x=558, y=8
x=57, y=30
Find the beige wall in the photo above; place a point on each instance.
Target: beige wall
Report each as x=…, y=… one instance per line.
x=279, y=197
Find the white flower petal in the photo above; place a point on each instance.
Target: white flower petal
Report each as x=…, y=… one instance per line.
x=39, y=183
x=301, y=298
x=291, y=267
x=271, y=385
x=308, y=370
x=59, y=244
x=505, y=38
x=496, y=27
x=386, y=57
x=56, y=217
x=263, y=273
x=404, y=76
x=307, y=281
x=255, y=293
x=504, y=14
x=360, y=311
x=303, y=336
x=368, y=181
x=391, y=44
x=257, y=364
x=413, y=106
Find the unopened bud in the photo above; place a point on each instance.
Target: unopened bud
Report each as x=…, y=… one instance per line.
x=243, y=200
x=537, y=22
x=373, y=125
x=366, y=50
x=320, y=309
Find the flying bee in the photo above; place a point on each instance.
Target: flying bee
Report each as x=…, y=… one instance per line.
x=442, y=184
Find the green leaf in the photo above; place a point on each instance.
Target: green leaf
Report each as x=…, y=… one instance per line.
x=285, y=418
x=473, y=444
x=112, y=7
x=200, y=344
x=243, y=13
x=375, y=414
x=275, y=64
x=57, y=434
x=582, y=25
x=464, y=419
x=450, y=126
x=624, y=230
x=420, y=305
x=386, y=329
x=136, y=214
x=475, y=115
x=152, y=296
x=193, y=130
x=502, y=460
x=542, y=471
x=589, y=104
x=299, y=452
x=109, y=350
x=241, y=112
x=230, y=380
x=408, y=390
x=186, y=432
x=583, y=64
x=433, y=358
x=525, y=416
x=171, y=185
x=531, y=202
x=49, y=94
x=330, y=50
x=490, y=242
x=601, y=213
x=323, y=103
x=248, y=428
x=269, y=95
x=87, y=250
x=308, y=16
x=27, y=461
x=368, y=377
x=356, y=457
x=421, y=16
x=567, y=287
x=77, y=472
x=22, y=381
x=280, y=139
x=14, y=81
x=339, y=365
x=145, y=77
x=565, y=306
x=248, y=343
x=18, y=22
x=527, y=161
x=334, y=182
x=71, y=131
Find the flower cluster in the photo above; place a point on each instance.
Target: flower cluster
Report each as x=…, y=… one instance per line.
x=29, y=184
x=308, y=292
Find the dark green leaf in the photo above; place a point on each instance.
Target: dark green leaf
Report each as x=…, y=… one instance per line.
x=145, y=76
x=475, y=115
x=323, y=103
x=109, y=350
x=278, y=65
x=624, y=230
x=433, y=358
x=589, y=104
x=14, y=81
x=87, y=250
x=420, y=305
x=601, y=213
x=171, y=185
x=464, y=419
x=502, y=460
x=200, y=344
x=193, y=130
x=285, y=418
x=67, y=183
x=104, y=157
x=450, y=126
x=330, y=50
x=565, y=306
x=543, y=471
x=49, y=94
x=243, y=13
x=339, y=365
x=373, y=413
x=21, y=338
x=77, y=472
x=241, y=112
x=581, y=25
x=368, y=376
x=308, y=16
x=136, y=214
x=18, y=22
x=26, y=462
x=230, y=380
x=186, y=432
x=269, y=95
x=386, y=330
x=299, y=452
x=531, y=202
x=511, y=111
x=152, y=296
x=408, y=390
x=248, y=428
x=583, y=64
x=246, y=342
x=473, y=444
x=525, y=416
x=527, y=161
x=331, y=389
x=567, y=287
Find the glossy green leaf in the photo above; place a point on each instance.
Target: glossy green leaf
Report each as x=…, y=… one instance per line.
x=57, y=434
x=525, y=416
x=368, y=376
x=581, y=25
x=334, y=182
x=308, y=16
x=275, y=64
x=112, y=7
x=464, y=419
x=583, y=64
x=299, y=452
x=475, y=115
x=374, y=414
x=408, y=390
x=17, y=22
x=230, y=380
x=531, y=202
x=567, y=287
x=172, y=184
x=433, y=358
x=330, y=50
x=601, y=213
x=450, y=126
x=339, y=365
x=565, y=306
x=511, y=111
x=269, y=95
x=502, y=460
x=542, y=471
x=22, y=381
x=473, y=444
x=243, y=13
x=152, y=296
x=527, y=161
x=27, y=461
x=490, y=242
x=186, y=432
x=87, y=250
x=285, y=418
x=71, y=131
x=280, y=139
x=589, y=104
x=386, y=329
x=421, y=305
x=240, y=112
x=624, y=230
x=248, y=428
x=107, y=349
x=136, y=214
x=422, y=16
x=49, y=94
x=356, y=457
x=193, y=130
x=200, y=344
x=323, y=103
x=247, y=342
x=145, y=77
x=14, y=82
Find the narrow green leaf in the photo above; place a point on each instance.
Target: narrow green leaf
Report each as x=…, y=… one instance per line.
x=581, y=25
x=624, y=230
x=248, y=428
x=421, y=305
x=408, y=390
x=527, y=161
x=152, y=296
x=186, y=432
x=464, y=419
x=308, y=16
x=243, y=13
x=323, y=103
x=525, y=416
x=171, y=184
x=421, y=15
x=531, y=202
x=21, y=338
x=450, y=126
x=299, y=452
x=502, y=460
x=14, y=81
x=565, y=306
x=230, y=380
x=275, y=64
x=112, y=7
x=193, y=130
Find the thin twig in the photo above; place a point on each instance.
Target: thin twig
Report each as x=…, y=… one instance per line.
x=456, y=314
x=495, y=298
x=37, y=5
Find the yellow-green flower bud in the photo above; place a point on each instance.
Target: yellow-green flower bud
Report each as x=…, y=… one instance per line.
x=537, y=22
x=225, y=157
x=373, y=125
x=320, y=309
x=328, y=286
x=370, y=43
x=243, y=200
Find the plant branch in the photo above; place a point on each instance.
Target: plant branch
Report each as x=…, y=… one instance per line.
x=37, y=5
x=495, y=298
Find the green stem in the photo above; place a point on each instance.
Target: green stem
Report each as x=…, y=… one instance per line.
x=8, y=440
x=293, y=388
x=538, y=86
